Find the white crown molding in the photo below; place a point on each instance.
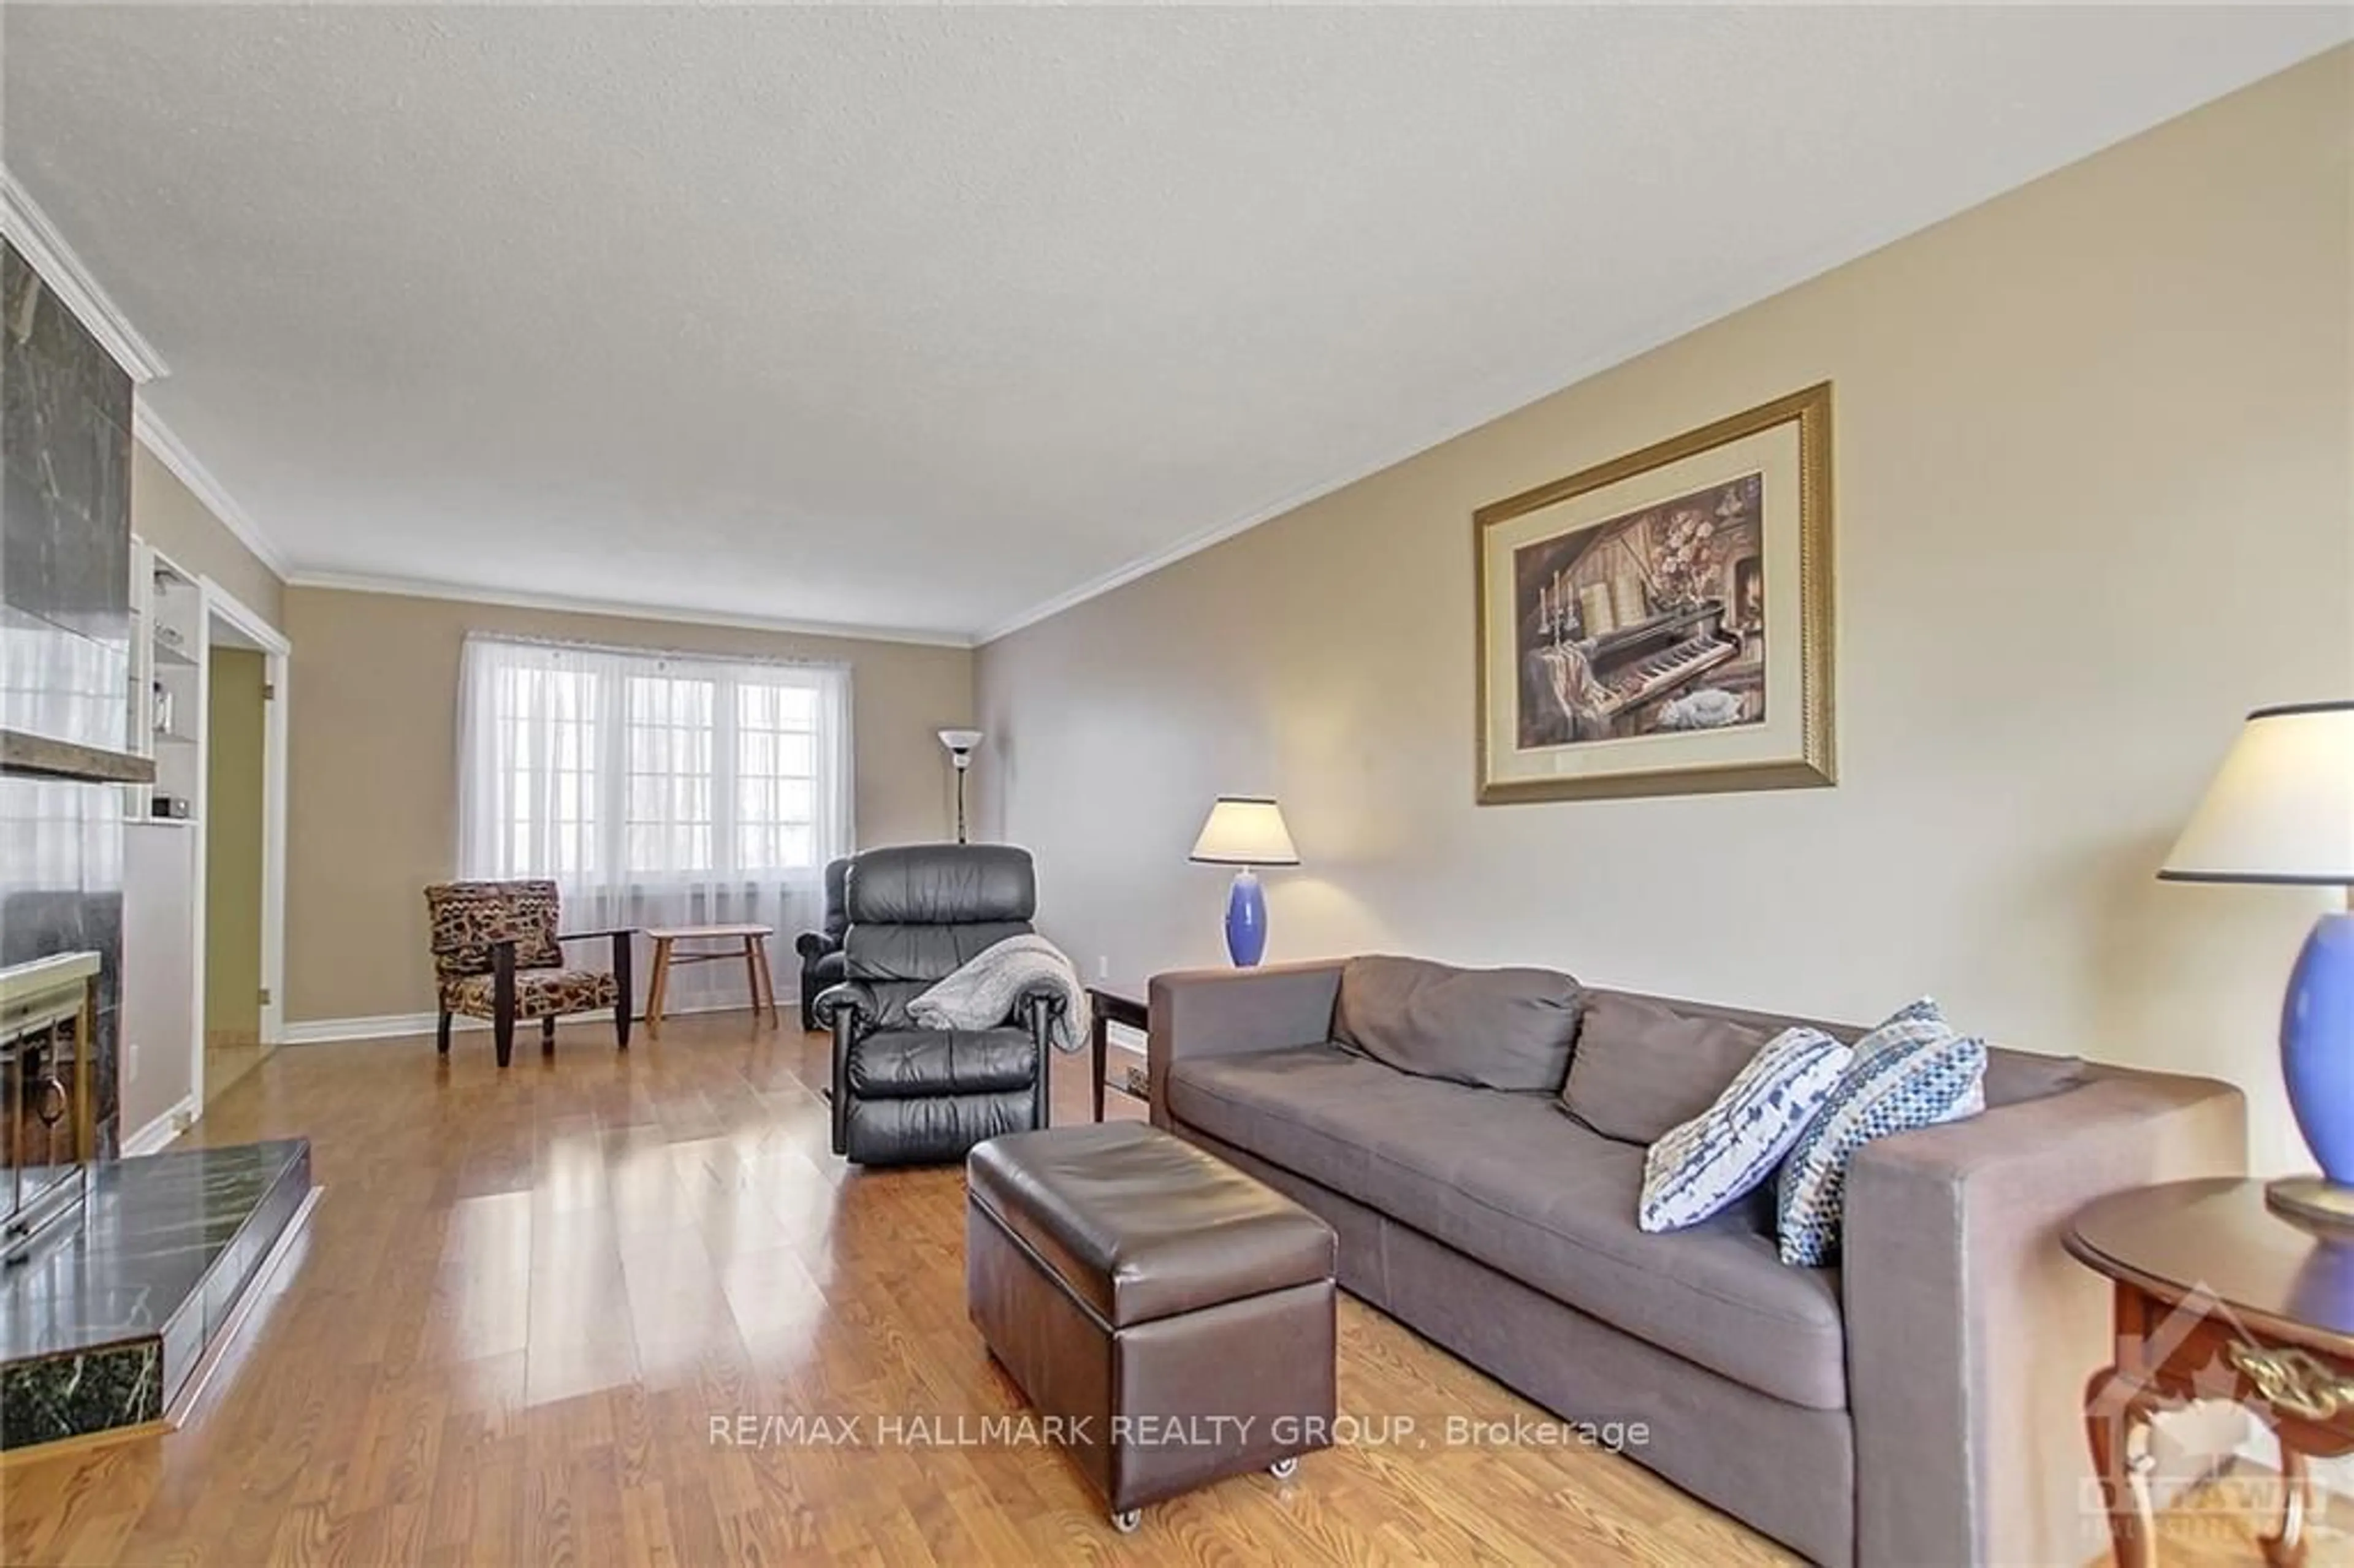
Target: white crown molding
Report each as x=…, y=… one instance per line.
x=413, y=588
x=28, y=228
x=173, y=454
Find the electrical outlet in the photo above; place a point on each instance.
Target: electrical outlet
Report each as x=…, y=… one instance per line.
x=1103, y=966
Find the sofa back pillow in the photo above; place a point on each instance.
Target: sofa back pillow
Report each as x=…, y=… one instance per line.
x=1643, y=1065
x=1499, y=1028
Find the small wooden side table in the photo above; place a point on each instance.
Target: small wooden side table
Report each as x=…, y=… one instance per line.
x=750, y=943
x=2217, y=1298
x=1111, y=1003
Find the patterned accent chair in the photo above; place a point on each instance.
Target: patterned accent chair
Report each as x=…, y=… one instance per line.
x=821, y=951
x=498, y=955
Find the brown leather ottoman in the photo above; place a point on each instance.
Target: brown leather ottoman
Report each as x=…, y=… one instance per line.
x=1174, y=1314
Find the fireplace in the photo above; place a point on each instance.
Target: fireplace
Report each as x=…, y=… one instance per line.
x=48, y=1017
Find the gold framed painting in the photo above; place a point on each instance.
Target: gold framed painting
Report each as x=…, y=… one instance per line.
x=1661, y=623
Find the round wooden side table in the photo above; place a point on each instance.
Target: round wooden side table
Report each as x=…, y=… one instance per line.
x=2218, y=1297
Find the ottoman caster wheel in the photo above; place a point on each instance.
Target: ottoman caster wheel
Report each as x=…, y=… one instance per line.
x=1127, y=1520
x=1284, y=1469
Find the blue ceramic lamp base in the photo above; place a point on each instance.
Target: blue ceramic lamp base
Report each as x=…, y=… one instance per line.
x=2318, y=1065
x=1245, y=920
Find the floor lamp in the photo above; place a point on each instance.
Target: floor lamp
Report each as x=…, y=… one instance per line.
x=960, y=744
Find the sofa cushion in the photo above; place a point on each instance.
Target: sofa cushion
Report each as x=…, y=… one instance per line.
x=890, y=1064
x=539, y=993
x=1502, y=1029
x=1507, y=1180
x=1644, y=1064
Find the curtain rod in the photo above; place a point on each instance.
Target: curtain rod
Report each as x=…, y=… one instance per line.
x=644, y=650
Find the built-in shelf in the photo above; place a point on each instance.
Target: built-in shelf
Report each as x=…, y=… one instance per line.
x=159, y=822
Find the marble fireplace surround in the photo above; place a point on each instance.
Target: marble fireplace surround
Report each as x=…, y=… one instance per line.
x=65, y=632
x=106, y=1324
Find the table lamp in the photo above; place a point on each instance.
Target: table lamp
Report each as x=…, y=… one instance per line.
x=1245, y=831
x=2281, y=809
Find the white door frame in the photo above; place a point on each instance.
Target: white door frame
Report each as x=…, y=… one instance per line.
x=277, y=655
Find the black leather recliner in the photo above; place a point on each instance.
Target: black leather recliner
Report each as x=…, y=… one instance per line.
x=902, y=1093
x=820, y=950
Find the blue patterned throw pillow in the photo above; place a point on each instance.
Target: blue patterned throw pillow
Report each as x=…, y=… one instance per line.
x=1730, y=1149
x=1909, y=1027
x=1911, y=1072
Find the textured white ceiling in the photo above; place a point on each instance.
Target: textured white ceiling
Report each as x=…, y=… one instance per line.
x=927, y=318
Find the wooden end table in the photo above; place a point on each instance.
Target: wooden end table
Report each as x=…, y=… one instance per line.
x=1111, y=1003
x=2217, y=1298
x=750, y=943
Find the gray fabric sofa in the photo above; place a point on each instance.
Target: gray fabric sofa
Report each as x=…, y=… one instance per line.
x=1918, y=1404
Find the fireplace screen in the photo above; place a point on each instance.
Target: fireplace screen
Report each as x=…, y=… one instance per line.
x=48, y=1013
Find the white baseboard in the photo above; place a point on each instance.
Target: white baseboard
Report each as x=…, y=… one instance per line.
x=409, y=1026
x=163, y=1129
x=380, y=1026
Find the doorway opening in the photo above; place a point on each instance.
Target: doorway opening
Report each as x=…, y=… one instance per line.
x=242, y=800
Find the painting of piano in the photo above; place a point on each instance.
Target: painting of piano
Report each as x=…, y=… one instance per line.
x=1662, y=622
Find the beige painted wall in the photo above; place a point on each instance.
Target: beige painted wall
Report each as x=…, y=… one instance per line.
x=167, y=515
x=372, y=799
x=2093, y=502
x=233, y=843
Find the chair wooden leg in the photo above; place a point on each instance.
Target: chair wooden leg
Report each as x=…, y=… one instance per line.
x=502, y=1000
x=622, y=947
x=441, y=1035
x=548, y=1036
x=752, y=976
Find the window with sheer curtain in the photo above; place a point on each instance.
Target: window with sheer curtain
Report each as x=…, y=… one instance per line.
x=656, y=789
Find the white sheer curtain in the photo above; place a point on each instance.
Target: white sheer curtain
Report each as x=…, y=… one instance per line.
x=657, y=789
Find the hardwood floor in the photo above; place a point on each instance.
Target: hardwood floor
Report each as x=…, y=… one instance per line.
x=229, y=1057
x=526, y=1299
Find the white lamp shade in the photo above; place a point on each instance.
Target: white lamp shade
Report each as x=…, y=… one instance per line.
x=2281, y=807
x=960, y=740
x=1245, y=830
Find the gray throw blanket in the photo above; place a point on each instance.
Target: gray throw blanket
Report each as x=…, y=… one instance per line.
x=980, y=994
